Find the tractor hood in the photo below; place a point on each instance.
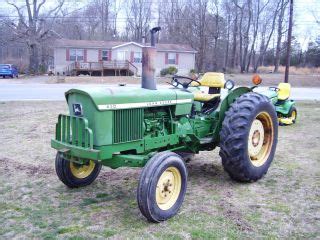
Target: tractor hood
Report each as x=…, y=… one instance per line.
x=129, y=97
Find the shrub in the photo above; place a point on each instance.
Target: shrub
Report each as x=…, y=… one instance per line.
x=168, y=71
x=192, y=71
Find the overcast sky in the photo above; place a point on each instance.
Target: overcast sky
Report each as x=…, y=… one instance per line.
x=305, y=26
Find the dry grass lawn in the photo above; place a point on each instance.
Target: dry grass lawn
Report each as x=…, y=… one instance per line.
x=35, y=204
x=297, y=80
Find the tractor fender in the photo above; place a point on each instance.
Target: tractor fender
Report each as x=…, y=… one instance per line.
x=225, y=104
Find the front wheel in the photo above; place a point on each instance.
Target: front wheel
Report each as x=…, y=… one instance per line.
x=248, y=137
x=162, y=186
x=76, y=175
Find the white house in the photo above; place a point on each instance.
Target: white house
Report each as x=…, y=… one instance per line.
x=117, y=58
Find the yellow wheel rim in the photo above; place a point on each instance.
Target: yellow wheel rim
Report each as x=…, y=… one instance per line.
x=82, y=170
x=168, y=188
x=260, y=139
x=293, y=115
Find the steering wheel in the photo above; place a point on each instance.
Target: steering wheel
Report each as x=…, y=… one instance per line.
x=276, y=89
x=175, y=82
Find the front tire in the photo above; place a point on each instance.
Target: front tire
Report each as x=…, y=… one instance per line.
x=248, y=137
x=75, y=175
x=162, y=186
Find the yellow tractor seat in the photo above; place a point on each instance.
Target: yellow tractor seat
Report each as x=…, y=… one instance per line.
x=284, y=91
x=211, y=79
x=205, y=97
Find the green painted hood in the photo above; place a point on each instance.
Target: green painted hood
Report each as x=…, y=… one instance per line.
x=106, y=98
x=272, y=95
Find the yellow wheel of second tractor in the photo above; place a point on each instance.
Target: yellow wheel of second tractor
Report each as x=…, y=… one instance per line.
x=293, y=114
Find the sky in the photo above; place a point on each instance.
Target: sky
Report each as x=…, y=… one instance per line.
x=305, y=27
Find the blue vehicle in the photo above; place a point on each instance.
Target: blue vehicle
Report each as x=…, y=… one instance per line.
x=8, y=70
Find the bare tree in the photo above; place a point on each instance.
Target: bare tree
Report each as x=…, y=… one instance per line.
x=228, y=13
x=288, y=57
x=256, y=25
x=138, y=18
x=280, y=33
x=265, y=35
x=234, y=35
x=35, y=28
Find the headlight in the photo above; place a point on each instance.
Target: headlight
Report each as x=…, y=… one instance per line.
x=229, y=84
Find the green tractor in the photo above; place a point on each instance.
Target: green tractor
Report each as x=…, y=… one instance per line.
x=285, y=107
x=157, y=128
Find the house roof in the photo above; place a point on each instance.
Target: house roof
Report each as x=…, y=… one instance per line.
x=116, y=44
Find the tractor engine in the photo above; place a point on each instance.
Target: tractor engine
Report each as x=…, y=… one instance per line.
x=157, y=122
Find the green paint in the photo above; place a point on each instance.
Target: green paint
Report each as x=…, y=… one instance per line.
x=118, y=136
x=282, y=106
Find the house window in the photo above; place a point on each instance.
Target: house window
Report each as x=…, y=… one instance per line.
x=105, y=55
x=172, y=58
x=76, y=55
x=137, y=57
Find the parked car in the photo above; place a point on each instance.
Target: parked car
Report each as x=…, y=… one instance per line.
x=8, y=70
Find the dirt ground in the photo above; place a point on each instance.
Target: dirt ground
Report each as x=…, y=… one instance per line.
x=35, y=204
x=297, y=80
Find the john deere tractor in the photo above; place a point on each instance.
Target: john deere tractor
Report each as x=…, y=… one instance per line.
x=156, y=128
x=285, y=107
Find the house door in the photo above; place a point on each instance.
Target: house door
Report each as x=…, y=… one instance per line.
x=121, y=55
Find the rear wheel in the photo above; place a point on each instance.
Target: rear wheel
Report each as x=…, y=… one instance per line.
x=248, y=137
x=293, y=114
x=76, y=175
x=162, y=186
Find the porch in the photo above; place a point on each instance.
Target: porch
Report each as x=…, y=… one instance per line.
x=102, y=68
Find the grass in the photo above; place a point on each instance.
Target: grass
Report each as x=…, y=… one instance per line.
x=296, y=80
x=35, y=204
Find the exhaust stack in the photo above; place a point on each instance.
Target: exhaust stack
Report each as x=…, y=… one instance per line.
x=148, y=63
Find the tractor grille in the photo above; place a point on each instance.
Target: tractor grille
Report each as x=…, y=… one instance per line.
x=74, y=130
x=127, y=125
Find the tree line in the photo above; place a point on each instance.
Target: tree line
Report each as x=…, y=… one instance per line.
x=229, y=35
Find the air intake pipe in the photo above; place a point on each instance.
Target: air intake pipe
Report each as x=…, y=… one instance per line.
x=148, y=63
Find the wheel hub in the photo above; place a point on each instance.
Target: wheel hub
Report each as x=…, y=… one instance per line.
x=168, y=188
x=256, y=137
x=82, y=171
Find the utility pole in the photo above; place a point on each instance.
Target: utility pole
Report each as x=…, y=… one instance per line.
x=286, y=76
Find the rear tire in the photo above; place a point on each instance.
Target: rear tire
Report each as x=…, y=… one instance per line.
x=293, y=114
x=75, y=175
x=248, y=137
x=162, y=186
